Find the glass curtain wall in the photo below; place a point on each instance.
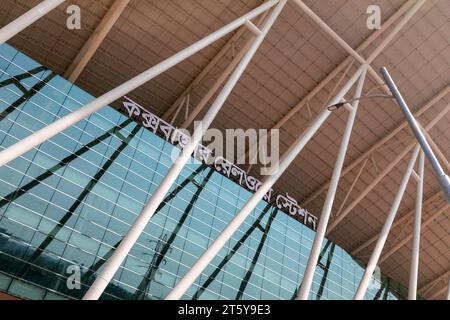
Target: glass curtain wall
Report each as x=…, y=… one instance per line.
x=66, y=205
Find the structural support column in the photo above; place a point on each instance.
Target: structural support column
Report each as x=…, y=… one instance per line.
x=113, y=263
x=84, y=56
x=385, y=171
x=414, y=270
x=366, y=43
x=424, y=225
x=328, y=205
x=342, y=66
x=361, y=292
x=403, y=220
x=28, y=18
x=42, y=135
x=231, y=42
x=399, y=128
x=341, y=42
x=200, y=265
x=223, y=76
x=443, y=178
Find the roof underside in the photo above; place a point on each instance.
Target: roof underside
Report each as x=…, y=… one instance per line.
x=293, y=59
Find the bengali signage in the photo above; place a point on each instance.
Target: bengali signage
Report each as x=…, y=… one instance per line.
x=176, y=137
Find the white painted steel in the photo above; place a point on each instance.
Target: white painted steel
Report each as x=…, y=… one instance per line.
x=373, y=261
x=329, y=200
x=113, y=263
x=28, y=18
x=63, y=123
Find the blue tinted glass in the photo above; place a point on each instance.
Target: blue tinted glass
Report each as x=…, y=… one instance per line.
x=70, y=201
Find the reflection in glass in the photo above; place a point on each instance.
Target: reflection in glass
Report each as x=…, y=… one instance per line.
x=52, y=235
x=71, y=200
x=240, y=242
x=26, y=93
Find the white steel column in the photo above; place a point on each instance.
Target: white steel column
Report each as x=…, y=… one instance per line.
x=361, y=292
x=25, y=20
x=424, y=225
x=366, y=43
x=63, y=123
x=87, y=52
x=414, y=269
x=113, y=263
x=328, y=205
x=184, y=284
x=385, y=171
x=401, y=221
x=382, y=142
x=411, y=12
x=443, y=178
x=341, y=42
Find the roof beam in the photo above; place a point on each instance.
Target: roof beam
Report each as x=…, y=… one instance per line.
x=28, y=18
x=95, y=40
x=426, y=288
x=350, y=190
x=438, y=293
x=217, y=84
x=425, y=224
x=401, y=221
x=378, y=144
x=230, y=43
x=344, y=44
x=437, y=151
x=343, y=64
x=221, y=79
x=385, y=171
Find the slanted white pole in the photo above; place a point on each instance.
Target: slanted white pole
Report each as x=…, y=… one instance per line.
x=113, y=263
x=371, y=40
x=328, y=205
x=443, y=178
x=217, y=84
x=28, y=18
x=200, y=265
x=40, y=136
x=414, y=269
x=363, y=285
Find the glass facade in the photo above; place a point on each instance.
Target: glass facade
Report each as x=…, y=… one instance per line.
x=70, y=201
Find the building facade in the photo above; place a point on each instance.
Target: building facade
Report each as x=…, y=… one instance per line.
x=65, y=206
